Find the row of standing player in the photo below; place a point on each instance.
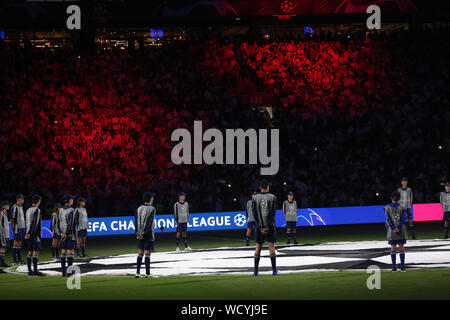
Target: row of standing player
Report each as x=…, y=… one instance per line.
x=68, y=226
x=289, y=210
x=398, y=219
x=262, y=210
x=405, y=200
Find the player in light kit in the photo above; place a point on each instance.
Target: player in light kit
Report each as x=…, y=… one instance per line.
x=251, y=224
x=290, y=214
x=264, y=207
x=56, y=231
x=396, y=229
x=18, y=228
x=406, y=200
x=181, y=213
x=145, y=234
x=4, y=232
x=445, y=203
x=34, y=234
x=82, y=224
x=68, y=232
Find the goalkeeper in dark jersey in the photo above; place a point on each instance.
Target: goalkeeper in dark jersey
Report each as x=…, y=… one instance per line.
x=264, y=207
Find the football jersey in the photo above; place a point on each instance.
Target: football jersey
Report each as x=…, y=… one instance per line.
x=406, y=197
x=4, y=229
x=19, y=217
x=82, y=219
x=33, y=222
x=250, y=217
x=66, y=222
x=290, y=210
x=264, y=207
x=395, y=218
x=54, y=224
x=181, y=212
x=145, y=220
x=445, y=201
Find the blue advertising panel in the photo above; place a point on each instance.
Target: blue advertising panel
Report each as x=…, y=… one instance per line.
x=334, y=216
x=232, y=220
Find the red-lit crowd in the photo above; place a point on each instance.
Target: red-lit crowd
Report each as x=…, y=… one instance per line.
x=101, y=125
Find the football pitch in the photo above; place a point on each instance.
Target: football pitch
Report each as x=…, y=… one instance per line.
x=347, y=284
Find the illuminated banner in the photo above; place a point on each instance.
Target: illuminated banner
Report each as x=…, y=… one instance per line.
x=428, y=212
x=237, y=219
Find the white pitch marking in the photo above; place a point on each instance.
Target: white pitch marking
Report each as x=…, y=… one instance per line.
x=363, y=245
x=214, y=261
x=419, y=257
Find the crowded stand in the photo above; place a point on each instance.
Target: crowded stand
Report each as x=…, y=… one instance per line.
x=100, y=125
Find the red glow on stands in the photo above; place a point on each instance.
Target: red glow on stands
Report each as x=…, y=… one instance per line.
x=325, y=77
x=98, y=123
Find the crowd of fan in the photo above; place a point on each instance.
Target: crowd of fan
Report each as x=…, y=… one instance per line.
x=354, y=118
x=326, y=77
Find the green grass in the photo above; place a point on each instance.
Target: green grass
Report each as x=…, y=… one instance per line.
x=414, y=284
x=417, y=284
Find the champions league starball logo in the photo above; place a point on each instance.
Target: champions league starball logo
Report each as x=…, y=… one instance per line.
x=240, y=220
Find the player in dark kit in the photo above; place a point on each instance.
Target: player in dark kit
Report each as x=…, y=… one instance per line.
x=181, y=213
x=264, y=207
x=406, y=200
x=396, y=229
x=4, y=232
x=145, y=223
x=445, y=203
x=34, y=235
x=18, y=228
x=251, y=224
x=68, y=232
x=290, y=214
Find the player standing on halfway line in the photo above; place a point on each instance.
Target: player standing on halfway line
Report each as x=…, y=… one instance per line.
x=82, y=225
x=445, y=203
x=56, y=231
x=406, y=200
x=18, y=228
x=145, y=234
x=251, y=224
x=396, y=229
x=34, y=235
x=4, y=232
x=290, y=214
x=181, y=213
x=264, y=208
x=67, y=225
